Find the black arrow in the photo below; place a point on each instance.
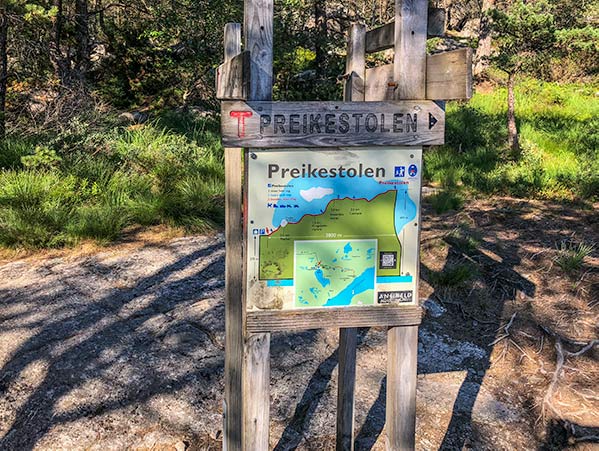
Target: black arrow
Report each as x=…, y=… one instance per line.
x=432, y=120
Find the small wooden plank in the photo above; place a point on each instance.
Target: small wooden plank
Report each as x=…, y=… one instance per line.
x=449, y=75
x=356, y=64
x=382, y=38
x=258, y=19
x=400, y=427
x=233, y=78
x=316, y=318
x=234, y=300
x=331, y=124
x=257, y=390
x=409, y=59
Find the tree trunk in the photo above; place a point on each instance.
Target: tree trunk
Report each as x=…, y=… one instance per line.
x=82, y=27
x=512, y=130
x=483, y=51
x=3, y=69
x=61, y=64
x=320, y=44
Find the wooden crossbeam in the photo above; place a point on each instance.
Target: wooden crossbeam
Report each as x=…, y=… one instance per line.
x=377, y=315
x=382, y=38
x=448, y=77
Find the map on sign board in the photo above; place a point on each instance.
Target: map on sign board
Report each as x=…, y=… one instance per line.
x=332, y=228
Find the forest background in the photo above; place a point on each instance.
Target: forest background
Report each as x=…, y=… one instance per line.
x=108, y=116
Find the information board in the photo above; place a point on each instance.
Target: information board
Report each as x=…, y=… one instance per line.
x=332, y=228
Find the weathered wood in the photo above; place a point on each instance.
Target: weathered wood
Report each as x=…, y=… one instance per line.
x=234, y=303
x=346, y=388
x=234, y=300
x=233, y=78
x=258, y=19
x=410, y=48
x=402, y=345
x=355, y=64
x=354, y=91
x=257, y=390
x=232, y=40
x=382, y=38
x=449, y=75
x=316, y=318
x=402, y=342
x=331, y=124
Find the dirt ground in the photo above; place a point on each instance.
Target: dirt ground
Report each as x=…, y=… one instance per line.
x=123, y=348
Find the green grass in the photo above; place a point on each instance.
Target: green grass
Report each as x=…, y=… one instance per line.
x=559, y=135
x=71, y=188
x=452, y=277
x=570, y=256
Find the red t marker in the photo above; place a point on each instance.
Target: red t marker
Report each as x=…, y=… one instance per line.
x=240, y=115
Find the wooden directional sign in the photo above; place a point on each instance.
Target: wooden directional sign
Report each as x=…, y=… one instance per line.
x=331, y=124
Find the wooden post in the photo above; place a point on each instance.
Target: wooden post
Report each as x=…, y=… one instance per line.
x=354, y=91
x=234, y=301
x=402, y=342
x=258, y=19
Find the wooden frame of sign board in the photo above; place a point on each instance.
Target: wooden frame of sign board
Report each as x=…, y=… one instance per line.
x=247, y=76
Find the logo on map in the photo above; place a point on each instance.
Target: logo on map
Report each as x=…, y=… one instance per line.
x=400, y=171
x=412, y=170
x=387, y=297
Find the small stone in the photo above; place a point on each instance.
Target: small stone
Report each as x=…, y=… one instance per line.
x=180, y=446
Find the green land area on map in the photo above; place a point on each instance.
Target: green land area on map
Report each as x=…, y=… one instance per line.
x=344, y=219
x=334, y=273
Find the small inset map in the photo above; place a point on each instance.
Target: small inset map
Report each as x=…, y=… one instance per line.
x=332, y=273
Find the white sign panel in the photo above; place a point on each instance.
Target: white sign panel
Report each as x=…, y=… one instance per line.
x=332, y=228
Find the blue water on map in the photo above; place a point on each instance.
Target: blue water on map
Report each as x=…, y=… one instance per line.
x=347, y=249
x=321, y=278
x=363, y=282
x=356, y=187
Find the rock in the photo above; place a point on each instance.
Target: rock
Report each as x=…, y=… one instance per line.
x=180, y=446
x=433, y=308
x=135, y=117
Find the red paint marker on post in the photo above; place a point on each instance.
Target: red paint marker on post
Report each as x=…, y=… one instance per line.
x=240, y=115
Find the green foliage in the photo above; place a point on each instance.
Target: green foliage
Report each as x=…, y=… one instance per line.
x=559, y=137
x=452, y=277
x=147, y=174
x=523, y=33
x=445, y=201
x=43, y=158
x=570, y=256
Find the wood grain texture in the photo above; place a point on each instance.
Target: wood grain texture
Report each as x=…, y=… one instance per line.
x=400, y=427
x=449, y=75
x=355, y=65
x=234, y=302
x=402, y=342
x=233, y=78
x=243, y=124
x=410, y=48
x=354, y=91
x=346, y=388
x=232, y=40
x=257, y=391
x=383, y=37
x=317, y=318
x=257, y=21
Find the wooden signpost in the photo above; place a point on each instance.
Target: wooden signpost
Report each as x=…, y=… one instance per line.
x=297, y=173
